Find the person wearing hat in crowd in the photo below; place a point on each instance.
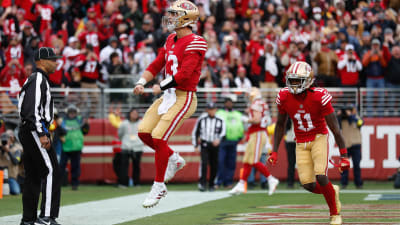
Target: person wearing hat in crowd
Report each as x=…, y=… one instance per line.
x=349, y=67
x=241, y=80
x=109, y=49
x=70, y=52
x=40, y=160
x=207, y=134
x=228, y=147
x=374, y=63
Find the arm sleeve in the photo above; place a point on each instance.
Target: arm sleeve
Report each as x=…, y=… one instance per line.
x=156, y=66
x=342, y=63
x=196, y=132
x=34, y=95
x=189, y=62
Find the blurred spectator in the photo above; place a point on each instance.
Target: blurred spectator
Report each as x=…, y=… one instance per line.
x=241, y=80
x=327, y=62
x=14, y=50
x=349, y=66
x=10, y=158
x=43, y=12
x=206, y=138
x=228, y=147
x=289, y=57
x=351, y=124
x=146, y=33
x=374, y=64
x=126, y=47
x=392, y=71
x=132, y=148
x=254, y=50
x=109, y=49
x=133, y=13
x=90, y=73
x=143, y=57
x=91, y=35
x=116, y=68
x=60, y=78
x=73, y=145
x=13, y=76
x=70, y=52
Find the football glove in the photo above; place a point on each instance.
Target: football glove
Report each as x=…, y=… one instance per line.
x=344, y=164
x=273, y=158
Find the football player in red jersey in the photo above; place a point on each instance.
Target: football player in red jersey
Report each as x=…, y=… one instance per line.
x=182, y=57
x=259, y=118
x=311, y=110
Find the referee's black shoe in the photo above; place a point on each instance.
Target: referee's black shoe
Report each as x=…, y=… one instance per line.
x=46, y=221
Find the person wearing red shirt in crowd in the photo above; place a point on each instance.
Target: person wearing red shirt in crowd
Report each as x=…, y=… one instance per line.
x=91, y=36
x=13, y=76
x=10, y=22
x=43, y=12
x=90, y=72
x=92, y=16
x=27, y=6
x=291, y=56
x=14, y=51
x=295, y=11
x=70, y=52
x=311, y=111
x=254, y=50
x=182, y=56
x=60, y=77
x=349, y=67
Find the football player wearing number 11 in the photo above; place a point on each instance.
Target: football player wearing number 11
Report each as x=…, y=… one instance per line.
x=182, y=57
x=311, y=110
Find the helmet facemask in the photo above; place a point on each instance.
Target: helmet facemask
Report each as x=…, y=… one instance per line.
x=174, y=20
x=297, y=84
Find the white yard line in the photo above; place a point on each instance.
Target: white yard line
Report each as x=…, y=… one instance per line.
x=124, y=209
x=364, y=191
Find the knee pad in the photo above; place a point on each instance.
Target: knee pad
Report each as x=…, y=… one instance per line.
x=309, y=187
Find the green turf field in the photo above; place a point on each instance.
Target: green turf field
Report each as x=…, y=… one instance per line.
x=251, y=208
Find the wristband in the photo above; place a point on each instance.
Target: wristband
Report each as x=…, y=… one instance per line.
x=343, y=151
x=141, y=81
x=168, y=82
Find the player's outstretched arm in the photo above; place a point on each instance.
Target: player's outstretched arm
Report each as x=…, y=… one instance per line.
x=278, y=135
x=146, y=77
x=333, y=124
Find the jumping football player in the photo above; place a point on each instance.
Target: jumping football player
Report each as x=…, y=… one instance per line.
x=182, y=56
x=311, y=110
x=259, y=118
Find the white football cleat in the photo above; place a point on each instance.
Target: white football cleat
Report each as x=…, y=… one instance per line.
x=158, y=190
x=240, y=188
x=175, y=163
x=272, y=184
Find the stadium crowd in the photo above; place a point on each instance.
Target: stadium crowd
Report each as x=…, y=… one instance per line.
x=251, y=42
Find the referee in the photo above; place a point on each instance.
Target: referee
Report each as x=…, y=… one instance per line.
x=41, y=167
x=208, y=132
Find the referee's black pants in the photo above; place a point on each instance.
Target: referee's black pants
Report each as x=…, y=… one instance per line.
x=41, y=175
x=209, y=155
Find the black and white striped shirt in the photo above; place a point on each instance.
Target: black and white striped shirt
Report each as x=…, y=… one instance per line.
x=35, y=104
x=208, y=129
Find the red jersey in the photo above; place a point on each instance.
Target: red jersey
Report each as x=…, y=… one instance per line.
x=15, y=52
x=92, y=38
x=307, y=110
x=57, y=76
x=44, y=11
x=9, y=27
x=13, y=79
x=182, y=58
x=256, y=50
x=90, y=71
x=259, y=106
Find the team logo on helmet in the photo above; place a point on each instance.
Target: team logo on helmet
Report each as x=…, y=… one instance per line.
x=187, y=6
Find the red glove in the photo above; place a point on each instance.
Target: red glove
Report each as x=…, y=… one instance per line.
x=273, y=158
x=344, y=164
